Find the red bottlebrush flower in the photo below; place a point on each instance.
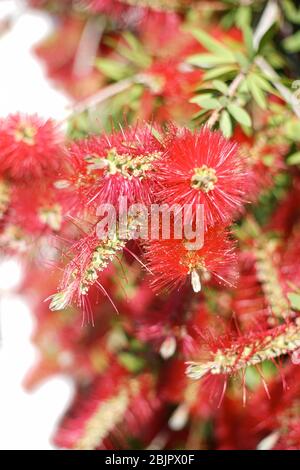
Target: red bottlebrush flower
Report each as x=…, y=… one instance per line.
x=111, y=408
x=204, y=168
x=171, y=262
x=29, y=147
x=228, y=356
x=108, y=167
x=88, y=257
x=39, y=215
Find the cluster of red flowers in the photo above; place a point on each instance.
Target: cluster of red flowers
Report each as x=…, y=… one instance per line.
x=151, y=331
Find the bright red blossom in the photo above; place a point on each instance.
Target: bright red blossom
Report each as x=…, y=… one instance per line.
x=112, y=166
x=204, y=168
x=171, y=262
x=29, y=147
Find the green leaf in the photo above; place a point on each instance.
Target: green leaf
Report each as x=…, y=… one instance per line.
x=135, y=52
x=239, y=114
x=199, y=98
x=227, y=21
x=242, y=60
x=132, y=40
x=292, y=43
x=291, y=11
x=294, y=159
x=207, y=60
x=262, y=82
x=226, y=124
x=210, y=103
x=295, y=300
x=113, y=69
x=248, y=39
x=243, y=17
x=220, y=86
x=243, y=88
x=219, y=72
x=256, y=91
x=212, y=44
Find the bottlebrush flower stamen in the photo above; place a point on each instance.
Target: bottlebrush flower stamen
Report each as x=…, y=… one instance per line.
x=204, y=179
x=101, y=258
x=267, y=273
x=26, y=133
x=92, y=256
x=124, y=164
x=249, y=350
x=108, y=415
x=78, y=278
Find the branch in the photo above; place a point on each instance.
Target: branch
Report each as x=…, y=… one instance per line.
x=102, y=95
x=286, y=94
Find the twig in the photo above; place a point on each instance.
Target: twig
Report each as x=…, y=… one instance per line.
x=88, y=46
x=268, y=18
x=286, y=94
x=102, y=95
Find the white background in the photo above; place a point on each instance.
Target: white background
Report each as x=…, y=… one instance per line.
x=26, y=420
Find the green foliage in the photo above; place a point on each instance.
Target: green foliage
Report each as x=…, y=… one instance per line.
x=291, y=11
x=233, y=80
x=292, y=43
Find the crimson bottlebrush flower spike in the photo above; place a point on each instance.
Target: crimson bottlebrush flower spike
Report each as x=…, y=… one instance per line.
x=117, y=404
x=172, y=263
x=203, y=167
x=108, y=167
x=250, y=349
x=89, y=257
x=30, y=147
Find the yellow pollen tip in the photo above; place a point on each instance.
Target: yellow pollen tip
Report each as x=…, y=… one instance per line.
x=204, y=179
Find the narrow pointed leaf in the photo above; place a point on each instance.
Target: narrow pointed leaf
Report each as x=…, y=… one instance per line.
x=239, y=114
